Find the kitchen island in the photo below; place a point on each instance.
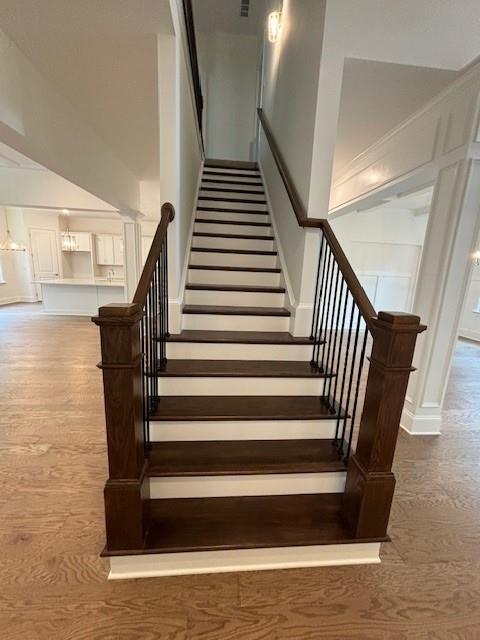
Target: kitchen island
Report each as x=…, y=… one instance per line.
x=79, y=297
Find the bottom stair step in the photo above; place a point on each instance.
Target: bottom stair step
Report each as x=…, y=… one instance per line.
x=213, y=524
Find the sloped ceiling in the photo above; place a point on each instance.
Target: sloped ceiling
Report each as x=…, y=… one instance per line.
x=101, y=56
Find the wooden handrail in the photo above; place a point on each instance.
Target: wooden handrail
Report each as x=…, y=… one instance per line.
x=193, y=56
x=168, y=214
x=365, y=306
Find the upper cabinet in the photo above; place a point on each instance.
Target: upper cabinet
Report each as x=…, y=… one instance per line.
x=109, y=250
x=76, y=241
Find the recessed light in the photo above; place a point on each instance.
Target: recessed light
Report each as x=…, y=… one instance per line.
x=65, y=211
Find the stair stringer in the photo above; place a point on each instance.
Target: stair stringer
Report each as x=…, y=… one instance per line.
x=176, y=304
x=290, y=302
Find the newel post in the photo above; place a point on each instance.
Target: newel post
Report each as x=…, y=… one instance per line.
x=370, y=482
x=126, y=493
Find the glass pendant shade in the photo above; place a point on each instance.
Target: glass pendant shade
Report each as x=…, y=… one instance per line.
x=10, y=245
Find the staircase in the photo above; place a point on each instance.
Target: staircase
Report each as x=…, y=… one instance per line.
x=241, y=457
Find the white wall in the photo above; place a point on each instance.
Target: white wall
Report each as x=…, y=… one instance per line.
x=291, y=68
x=470, y=322
x=384, y=247
x=376, y=97
x=229, y=81
x=290, y=83
x=15, y=270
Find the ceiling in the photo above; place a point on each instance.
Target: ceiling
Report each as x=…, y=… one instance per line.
x=102, y=57
x=224, y=16
x=11, y=159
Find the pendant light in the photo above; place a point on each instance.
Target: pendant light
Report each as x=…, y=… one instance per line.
x=10, y=245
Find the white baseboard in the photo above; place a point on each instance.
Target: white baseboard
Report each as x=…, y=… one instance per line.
x=421, y=425
x=470, y=334
x=17, y=299
x=197, y=562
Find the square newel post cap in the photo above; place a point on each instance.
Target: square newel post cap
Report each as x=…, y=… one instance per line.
x=118, y=313
x=399, y=321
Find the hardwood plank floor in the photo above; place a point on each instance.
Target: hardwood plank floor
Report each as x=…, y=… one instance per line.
x=52, y=471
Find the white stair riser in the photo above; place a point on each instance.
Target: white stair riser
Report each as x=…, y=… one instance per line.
x=233, y=259
x=231, y=184
x=239, y=229
x=232, y=243
x=198, y=562
x=235, y=298
x=249, y=278
x=217, y=386
x=229, y=351
x=246, y=485
x=225, y=204
x=213, y=430
x=213, y=322
x=238, y=217
x=240, y=196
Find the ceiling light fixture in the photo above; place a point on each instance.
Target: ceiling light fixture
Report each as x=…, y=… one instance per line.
x=274, y=26
x=10, y=245
x=476, y=259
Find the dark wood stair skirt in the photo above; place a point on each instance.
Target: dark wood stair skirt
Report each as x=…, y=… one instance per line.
x=215, y=524
x=202, y=408
x=243, y=457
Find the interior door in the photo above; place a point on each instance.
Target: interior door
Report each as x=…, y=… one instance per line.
x=43, y=243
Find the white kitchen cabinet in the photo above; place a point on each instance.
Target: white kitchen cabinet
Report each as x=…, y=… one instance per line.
x=118, y=250
x=109, y=250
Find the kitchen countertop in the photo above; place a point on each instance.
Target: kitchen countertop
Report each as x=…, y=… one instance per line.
x=84, y=282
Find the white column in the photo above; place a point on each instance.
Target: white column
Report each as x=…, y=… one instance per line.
x=132, y=243
x=450, y=240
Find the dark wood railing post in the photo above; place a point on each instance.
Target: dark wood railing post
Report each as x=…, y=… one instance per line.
x=125, y=491
x=370, y=481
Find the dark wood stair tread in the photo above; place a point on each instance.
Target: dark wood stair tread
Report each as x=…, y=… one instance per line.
x=242, y=165
x=230, y=174
x=241, y=337
x=230, y=236
x=248, y=252
x=229, y=210
x=234, y=287
x=201, y=408
x=241, y=368
x=246, y=522
x=243, y=457
x=197, y=309
x=240, y=223
x=214, y=267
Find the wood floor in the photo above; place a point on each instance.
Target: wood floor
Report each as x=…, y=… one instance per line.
x=52, y=470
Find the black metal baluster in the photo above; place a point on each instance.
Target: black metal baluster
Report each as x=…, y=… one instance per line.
x=316, y=305
x=344, y=376
x=318, y=329
x=357, y=391
x=334, y=310
x=330, y=363
x=350, y=382
x=165, y=258
x=326, y=273
x=327, y=308
x=342, y=332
